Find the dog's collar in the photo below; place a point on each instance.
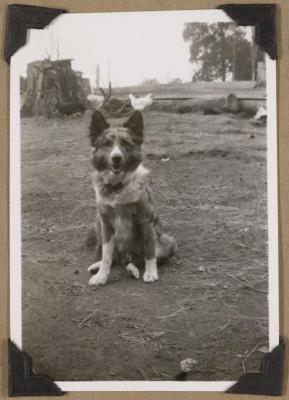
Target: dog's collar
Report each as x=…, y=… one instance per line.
x=114, y=188
x=125, y=192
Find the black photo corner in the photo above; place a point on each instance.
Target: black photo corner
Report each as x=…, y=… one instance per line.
x=19, y=19
x=263, y=17
x=22, y=380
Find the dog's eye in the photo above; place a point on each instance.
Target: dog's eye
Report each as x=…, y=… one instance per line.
x=126, y=143
x=106, y=142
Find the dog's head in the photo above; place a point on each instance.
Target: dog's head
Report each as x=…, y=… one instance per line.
x=117, y=149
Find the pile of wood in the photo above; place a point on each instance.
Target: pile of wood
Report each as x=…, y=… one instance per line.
x=113, y=107
x=53, y=87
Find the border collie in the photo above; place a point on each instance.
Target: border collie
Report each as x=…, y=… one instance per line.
x=127, y=226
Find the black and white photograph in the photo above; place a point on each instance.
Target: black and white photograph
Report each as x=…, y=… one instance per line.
x=143, y=201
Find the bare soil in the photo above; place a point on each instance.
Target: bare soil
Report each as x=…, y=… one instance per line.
x=208, y=174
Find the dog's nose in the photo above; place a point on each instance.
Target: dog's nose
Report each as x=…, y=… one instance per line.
x=116, y=158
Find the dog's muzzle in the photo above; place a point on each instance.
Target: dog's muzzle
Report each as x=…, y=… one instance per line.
x=116, y=163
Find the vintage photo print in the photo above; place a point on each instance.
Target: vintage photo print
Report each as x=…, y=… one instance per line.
x=143, y=201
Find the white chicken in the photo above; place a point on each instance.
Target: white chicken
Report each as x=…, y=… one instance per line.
x=140, y=103
x=95, y=97
x=261, y=113
x=94, y=101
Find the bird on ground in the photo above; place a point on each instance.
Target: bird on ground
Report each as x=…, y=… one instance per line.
x=140, y=103
x=95, y=97
x=261, y=114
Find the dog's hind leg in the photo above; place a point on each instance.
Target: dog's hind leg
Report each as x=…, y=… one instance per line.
x=165, y=247
x=132, y=270
x=91, y=240
x=94, y=267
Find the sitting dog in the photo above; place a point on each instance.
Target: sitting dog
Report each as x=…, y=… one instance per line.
x=127, y=225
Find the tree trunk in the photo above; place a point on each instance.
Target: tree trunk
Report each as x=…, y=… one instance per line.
x=223, y=72
x=253, y=55
x=234, y=58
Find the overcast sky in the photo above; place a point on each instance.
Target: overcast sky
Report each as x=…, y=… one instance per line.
x=136, y=46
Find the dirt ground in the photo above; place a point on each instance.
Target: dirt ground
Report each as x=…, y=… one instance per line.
x=208, y=174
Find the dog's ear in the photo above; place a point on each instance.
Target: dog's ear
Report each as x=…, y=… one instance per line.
x=97, y=125
x=135, y=124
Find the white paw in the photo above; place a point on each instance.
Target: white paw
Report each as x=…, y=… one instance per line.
x=151, y=274
x=99, y=279
x=132, y=269
x=94, y=267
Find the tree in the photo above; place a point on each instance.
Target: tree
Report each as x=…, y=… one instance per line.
x=218, y=51
x=150, y=83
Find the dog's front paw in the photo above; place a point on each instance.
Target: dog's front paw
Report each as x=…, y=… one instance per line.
x=151, y=271
x=99, y=279
x=94, y=267
x=150, y=276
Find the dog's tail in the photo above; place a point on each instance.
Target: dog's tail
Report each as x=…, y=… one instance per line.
x=166, y=247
